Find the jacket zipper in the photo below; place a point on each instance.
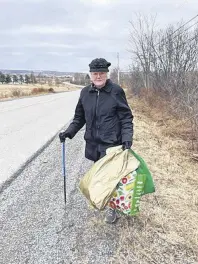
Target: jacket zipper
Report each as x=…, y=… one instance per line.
x=97, y=126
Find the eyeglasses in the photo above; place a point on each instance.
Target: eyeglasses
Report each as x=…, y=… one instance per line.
x=100, y=74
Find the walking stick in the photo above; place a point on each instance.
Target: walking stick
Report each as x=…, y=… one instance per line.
x=64, y=169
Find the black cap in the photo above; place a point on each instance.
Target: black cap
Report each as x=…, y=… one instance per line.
x=99, y=65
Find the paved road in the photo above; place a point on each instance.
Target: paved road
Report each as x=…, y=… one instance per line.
x=27, y=124
x=35, y=227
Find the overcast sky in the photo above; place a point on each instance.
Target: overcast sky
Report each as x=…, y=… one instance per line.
x=65, y=35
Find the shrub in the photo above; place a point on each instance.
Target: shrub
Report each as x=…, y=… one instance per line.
x=16, y=93
x=51, y=90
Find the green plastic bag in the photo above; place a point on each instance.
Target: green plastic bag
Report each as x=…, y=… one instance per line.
x=149, y=186
x=126, y=197
x=144, y=183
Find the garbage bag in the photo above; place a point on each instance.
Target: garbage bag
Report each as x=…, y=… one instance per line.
x=118, y=180
x=100, y=182
x=126, y=197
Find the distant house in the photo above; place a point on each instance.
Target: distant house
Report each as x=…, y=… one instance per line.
x=87, y=79
x=81, y=78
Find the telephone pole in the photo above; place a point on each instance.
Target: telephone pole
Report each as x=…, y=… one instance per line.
x=118, y=57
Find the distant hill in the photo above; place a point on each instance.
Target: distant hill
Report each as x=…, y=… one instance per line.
x=48, y=73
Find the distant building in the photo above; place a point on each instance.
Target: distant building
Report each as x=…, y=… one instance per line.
x=81, y=78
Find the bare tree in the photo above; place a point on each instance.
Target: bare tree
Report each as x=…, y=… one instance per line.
x=166, y=62
x=141, y=37
x=114, y=75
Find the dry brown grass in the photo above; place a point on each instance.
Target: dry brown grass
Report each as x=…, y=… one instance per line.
x=39, y=90
x=11, y=90
x=171, y=123
x=166, y=231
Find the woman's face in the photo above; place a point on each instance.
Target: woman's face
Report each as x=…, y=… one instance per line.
x=99, y=78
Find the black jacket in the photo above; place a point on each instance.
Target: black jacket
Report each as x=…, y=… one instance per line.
x=108, y=118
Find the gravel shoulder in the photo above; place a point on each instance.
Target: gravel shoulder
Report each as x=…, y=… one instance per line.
x=35, y=225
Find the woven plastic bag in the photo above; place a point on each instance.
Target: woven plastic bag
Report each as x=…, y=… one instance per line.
x=126, y=197
x=99, y=183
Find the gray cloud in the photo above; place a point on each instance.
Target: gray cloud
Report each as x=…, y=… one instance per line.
x=66, y=35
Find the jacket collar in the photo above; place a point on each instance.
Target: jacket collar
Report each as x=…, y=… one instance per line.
x=107, y=88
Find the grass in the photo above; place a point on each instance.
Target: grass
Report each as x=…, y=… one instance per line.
x=166, y=231
x=18, y=90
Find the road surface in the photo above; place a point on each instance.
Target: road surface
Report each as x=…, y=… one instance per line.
x=35, y=225
x=27, y=124
x=36, y=228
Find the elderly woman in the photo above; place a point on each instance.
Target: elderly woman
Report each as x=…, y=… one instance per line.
x=103, y=107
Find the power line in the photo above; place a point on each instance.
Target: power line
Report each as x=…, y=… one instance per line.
x=189, y=40
x=179, y=28
x=162, y=55
x=184, y=30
